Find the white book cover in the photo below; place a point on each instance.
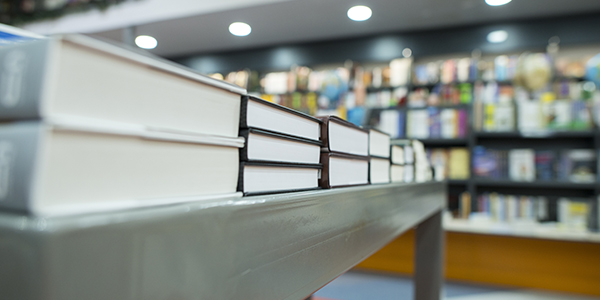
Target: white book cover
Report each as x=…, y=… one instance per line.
x=379, y=144
x=419, y=124
x=529, y=116
x=397, y=173
x=449, y=122
x=389, y=122
x=379, y=170
x=504, y=117
x=397, y=154
x=521, y=164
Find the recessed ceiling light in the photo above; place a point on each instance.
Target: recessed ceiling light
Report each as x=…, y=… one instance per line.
x=240, y=29
x=497, y=2
x=146, y=42
x=359, y=13
x=497, y=36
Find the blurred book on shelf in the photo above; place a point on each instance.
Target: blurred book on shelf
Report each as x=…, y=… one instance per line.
x=570, y=214
x=452, y=163
x=576, y=165
x=510, y=208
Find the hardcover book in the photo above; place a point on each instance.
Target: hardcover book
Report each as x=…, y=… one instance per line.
x=397, y=154
x=379, y=170
x=260, y=114
x=266, y=178
x=68, y=167
x=397, y=173
x=344, y=137
x=265, y=146
x=340, y=170
x=77, y=76
x=379, y=144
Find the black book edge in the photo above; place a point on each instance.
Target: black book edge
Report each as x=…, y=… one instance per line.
x=244, y=132
x=381, y=157
x=261, y=163
x=244, y=110
x=279, y=192
x=240, y=185
x=347, y=156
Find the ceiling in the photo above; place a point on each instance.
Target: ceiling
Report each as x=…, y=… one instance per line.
x=194, y=30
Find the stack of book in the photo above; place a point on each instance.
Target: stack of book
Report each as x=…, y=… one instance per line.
x=403, y=159
x=282, y=148
x=345, y=153
x=379, y=152
x=88, y=126
x=423, y=170
x=397, y=163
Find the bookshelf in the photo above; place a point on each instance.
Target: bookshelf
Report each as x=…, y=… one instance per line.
x=534, y=231
x=283, y=246
x=469, y=86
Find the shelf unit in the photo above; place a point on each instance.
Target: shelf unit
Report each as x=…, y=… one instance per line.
x=524, y=231
x=283, y=246
x=538, y=140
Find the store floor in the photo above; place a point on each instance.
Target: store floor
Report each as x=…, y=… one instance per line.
x=370, y=286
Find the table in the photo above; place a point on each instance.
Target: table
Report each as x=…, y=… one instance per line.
x=283, y=246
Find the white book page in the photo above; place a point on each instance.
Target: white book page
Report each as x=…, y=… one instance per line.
x=348, y=140
x=397, y=173
x=343, y=171
x=380, y=170
x=270, y=118
x=409, y=173
x=267, y=148
x=101, y=86
x=265, y=178
x=389, y=122
x=379, y=144
x=82, y=168
x=397, y=155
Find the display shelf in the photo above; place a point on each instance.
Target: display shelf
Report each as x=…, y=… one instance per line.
x=457, y=181
x=440, y=142
x=534, y=184
x=283, y=246
x=551, y=231
x=444, y=142
x=536, y=134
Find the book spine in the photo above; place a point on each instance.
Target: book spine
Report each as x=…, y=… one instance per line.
x=23, y=72
x=401, y=124
x=244, y=151
x=19, y=145
x=244, y=112
x=240, y=185
x=324, y=174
